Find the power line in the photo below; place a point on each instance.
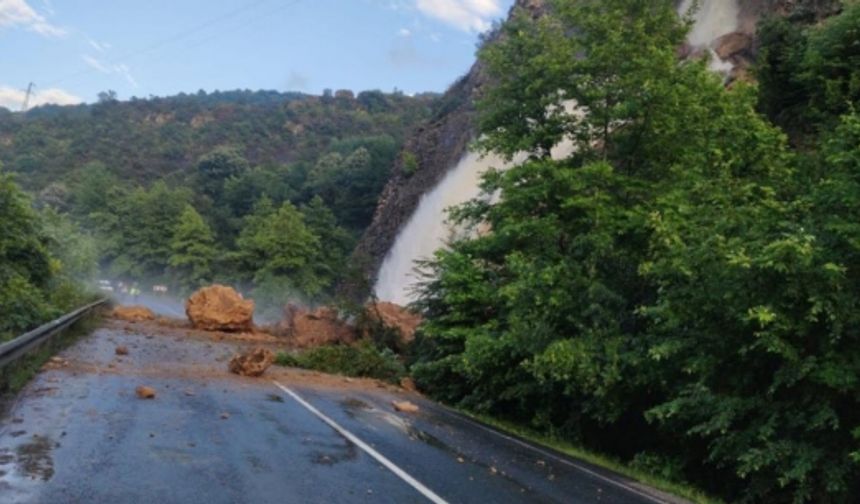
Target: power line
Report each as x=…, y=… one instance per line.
x=161, y=43
x=248, y=23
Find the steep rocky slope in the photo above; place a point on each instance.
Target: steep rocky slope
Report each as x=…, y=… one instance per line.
x=439, y=144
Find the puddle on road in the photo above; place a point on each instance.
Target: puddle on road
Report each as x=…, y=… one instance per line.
x=353, y=406
x=430, y=440
x=330, y=454
x=34, y=459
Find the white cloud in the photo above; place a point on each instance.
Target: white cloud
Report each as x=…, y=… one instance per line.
x=49, y=7
x=98, y=46
x=95, y=64
x=466, y=15
x=120, y=69
x=404, y=32
x=13, y=99
x=17, y=13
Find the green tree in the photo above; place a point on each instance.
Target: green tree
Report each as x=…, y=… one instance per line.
x=136, y=229
x=92, y=189
x=192, y=249
x=216, y=167
x=26, y=267
x=666, y=290
x=335, y=242
x=276, y=243
x=241, y=191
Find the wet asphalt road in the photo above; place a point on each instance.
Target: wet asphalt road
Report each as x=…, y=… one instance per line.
x=78, y=434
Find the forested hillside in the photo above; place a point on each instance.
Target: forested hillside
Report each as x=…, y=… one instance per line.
x=683, y=290
x=141, y=139
x=264, y=190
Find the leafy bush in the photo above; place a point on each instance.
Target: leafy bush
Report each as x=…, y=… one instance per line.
x=42, y=260
x=410, y=163
x=363, y=359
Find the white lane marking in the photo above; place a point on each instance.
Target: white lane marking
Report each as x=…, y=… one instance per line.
x=426, y=492
x=580, y=467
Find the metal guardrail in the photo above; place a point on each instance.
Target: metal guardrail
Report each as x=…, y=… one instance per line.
x=12, y=350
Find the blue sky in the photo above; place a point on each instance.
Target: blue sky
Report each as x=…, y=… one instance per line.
x=73, y=49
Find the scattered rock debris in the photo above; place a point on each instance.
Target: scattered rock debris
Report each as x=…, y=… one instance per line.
x=121, y=350
x=399, y=318
x=405, y=406
x=133, y=313
x=306, y=328
x=408, y=384
x=144, y=392
x=253, y=363
x=55, y=363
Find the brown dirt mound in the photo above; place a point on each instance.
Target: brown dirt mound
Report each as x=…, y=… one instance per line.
x=133, y=313
x=311, y=328
x=220, y=308
x=397, y=317
x=253, y=363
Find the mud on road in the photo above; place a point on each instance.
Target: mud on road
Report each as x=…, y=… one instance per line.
x=79, y=433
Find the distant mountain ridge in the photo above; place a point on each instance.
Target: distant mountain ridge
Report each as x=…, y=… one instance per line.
x=147, y=139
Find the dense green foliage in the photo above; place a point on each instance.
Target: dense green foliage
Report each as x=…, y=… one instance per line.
x=682, y=289
x=809, y=76
x=43, y=257
x=363, y=359
x=265, y=190
x=142, y=139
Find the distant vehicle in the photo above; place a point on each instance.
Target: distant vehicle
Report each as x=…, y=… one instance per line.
x=159, y=289
x=105, y=286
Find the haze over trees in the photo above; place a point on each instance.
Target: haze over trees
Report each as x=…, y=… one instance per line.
x=263, y=189
x=682, y=290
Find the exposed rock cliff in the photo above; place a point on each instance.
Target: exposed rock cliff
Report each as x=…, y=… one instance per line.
x=431, y=151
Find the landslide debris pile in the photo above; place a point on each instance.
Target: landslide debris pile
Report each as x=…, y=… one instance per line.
x=309, y=328
x=220, y=308
x=396, y=317
x=133, y=313
x=312, y=328
x=253, y=363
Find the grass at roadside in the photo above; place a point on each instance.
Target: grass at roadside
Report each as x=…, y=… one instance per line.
x=17, y=374
x=559, y=445
x=363, y=359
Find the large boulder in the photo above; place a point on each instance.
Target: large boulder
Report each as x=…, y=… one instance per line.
x=311, y=328
x=733, y=44
x=220, y=308
x=253, y=363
